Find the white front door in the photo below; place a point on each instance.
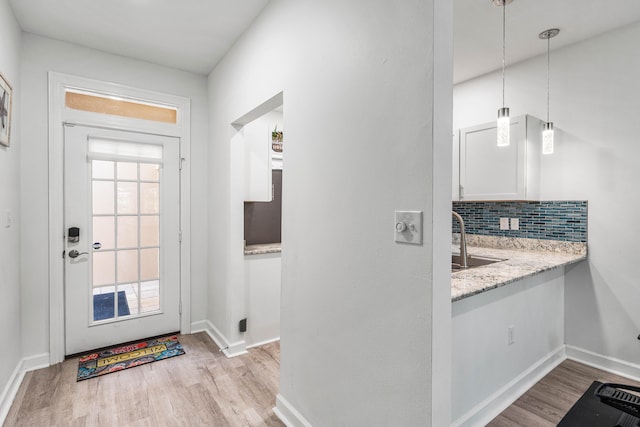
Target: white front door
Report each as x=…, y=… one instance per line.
x=122, y=236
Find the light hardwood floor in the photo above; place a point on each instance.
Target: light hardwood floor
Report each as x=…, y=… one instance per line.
x=201, y=388
x=551, y=398
x=204, y=388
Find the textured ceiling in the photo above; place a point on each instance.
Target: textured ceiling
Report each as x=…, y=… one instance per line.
x=190, y=35
x=193, y=35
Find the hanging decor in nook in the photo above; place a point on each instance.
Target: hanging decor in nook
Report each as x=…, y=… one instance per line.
x=276, y=140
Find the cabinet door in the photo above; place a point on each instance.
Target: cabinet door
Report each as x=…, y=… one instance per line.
x=257, y=162
x=455, y=168
x=489, y=172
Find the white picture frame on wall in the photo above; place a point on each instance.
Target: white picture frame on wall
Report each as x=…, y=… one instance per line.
x=6, y=95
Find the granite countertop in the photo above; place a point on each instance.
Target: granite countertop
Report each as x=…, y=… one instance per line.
x=522, y=259
x=268, y=248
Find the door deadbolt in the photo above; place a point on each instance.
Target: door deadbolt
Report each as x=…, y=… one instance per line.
x=73, y=235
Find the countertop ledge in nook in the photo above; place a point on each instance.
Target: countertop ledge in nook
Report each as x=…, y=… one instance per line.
x=267, y=248
x=519, y=264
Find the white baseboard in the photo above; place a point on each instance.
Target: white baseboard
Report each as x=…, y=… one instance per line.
x=229, y=349
x=199, y=326
x=605, y=363
x=288, y=414
x=258, y=344
x=492, y=406
x=38, y=361
x=11, y=389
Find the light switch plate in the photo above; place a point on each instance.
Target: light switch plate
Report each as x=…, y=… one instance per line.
x=504, y=223
x=408, y=227
x=515, y=224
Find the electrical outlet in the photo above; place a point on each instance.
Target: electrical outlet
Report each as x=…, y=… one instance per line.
x=515, y=224
x=511, y=330
x=504, y=223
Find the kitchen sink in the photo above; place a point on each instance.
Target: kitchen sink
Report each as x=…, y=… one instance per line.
x=472, y=261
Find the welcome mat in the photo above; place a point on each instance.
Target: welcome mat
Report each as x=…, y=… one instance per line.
x=103, y=306
x=127, y=356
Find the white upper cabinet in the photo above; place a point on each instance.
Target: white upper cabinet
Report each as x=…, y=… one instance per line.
x=489, y=172
x=257, y=162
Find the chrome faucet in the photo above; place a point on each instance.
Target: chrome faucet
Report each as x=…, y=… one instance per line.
x=463, y=241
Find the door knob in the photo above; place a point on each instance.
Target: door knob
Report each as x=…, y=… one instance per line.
x=75, y=254
x=401, y=226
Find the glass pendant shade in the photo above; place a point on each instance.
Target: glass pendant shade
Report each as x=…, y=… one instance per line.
x=504, y=127
x=547, y=138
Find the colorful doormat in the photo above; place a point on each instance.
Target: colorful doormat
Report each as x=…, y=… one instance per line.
x=103, y=306
x=128, y=356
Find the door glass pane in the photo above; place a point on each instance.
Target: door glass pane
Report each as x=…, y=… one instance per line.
x=149, y=198
x=149, y=172
x=102, y=197
x=127, y=232
x=103, y=304
x=104, y=264
x=149, y=262
x=127, y=171
x=101, y=169
x=150, y=296
x=127, y=197
x=150, y=230
x=132, y=290
x=103, y=231
x=127, y=266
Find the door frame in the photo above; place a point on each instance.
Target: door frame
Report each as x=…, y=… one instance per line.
x=58, y=116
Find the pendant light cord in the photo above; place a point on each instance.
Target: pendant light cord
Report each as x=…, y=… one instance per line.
x=548, y=73
x=504, y=5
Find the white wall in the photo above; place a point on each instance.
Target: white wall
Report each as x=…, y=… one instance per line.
x=10, y=321
x=363, y=139
x=484, y=362
x=40, y=55
x=594, y=105
x=263, y=276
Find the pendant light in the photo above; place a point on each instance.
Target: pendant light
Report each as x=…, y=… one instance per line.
x=547, y=131
x=504, y=123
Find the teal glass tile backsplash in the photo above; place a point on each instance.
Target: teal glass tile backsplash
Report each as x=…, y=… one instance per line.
x=548, y=220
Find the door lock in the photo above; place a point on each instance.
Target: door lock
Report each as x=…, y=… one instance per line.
x=73, y=235
x=75, y=254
